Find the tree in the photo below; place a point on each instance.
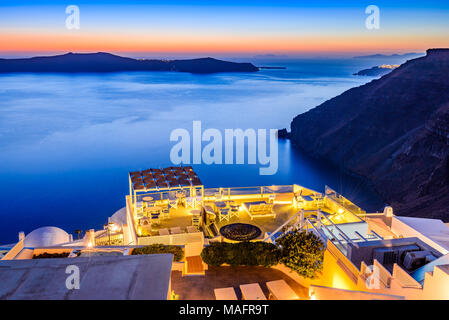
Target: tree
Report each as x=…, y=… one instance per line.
x=302, y=252
x=78, y=232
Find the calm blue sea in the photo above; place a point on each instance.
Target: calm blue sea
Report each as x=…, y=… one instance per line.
x=67, y=142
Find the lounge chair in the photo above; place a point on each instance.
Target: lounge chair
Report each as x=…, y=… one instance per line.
x=190, y=202
x=280, y=290
x=224, y=214
x=155, y=218
x=252, y=291
x=233, y=210
x=225, y=294
x=165, y=213
x=196, y=220
x=139, y=207
x=173, y=200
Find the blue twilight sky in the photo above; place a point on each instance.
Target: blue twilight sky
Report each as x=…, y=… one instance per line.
x=222, y=27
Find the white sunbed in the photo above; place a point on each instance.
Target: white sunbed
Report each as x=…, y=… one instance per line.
x=252, y=291
x=225, y=294
x=280, y=290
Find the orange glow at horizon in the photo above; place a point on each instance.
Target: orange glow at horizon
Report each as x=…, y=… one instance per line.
x=78, y=42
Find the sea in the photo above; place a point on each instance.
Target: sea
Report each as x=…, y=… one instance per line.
x=68, y=141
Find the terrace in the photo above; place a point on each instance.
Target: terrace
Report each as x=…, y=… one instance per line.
x=171, y=206
x=202, y=288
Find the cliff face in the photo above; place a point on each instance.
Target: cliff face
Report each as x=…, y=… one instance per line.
x=394, y=131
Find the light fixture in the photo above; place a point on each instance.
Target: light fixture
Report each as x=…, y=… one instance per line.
x=312, y=295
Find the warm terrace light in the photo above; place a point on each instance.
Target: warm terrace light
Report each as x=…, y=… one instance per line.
x=312, y=295
x=341, y=210
x=114, y=227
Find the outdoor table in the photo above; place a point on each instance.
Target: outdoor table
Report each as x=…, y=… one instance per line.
x=225, y=294
x=220, y=204
x=153, y=209
x=234, y=205
x=147, y=198
x=281, y=290
x=252, y=291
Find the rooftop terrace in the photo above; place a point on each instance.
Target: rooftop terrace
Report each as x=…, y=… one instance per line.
x=202, y=288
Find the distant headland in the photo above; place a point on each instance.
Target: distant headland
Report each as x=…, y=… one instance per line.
x=377, y=71
x=409, y=55
x=105, y=62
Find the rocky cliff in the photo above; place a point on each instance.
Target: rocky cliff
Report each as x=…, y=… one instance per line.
x=393, y=131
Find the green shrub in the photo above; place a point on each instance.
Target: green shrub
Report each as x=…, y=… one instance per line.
x=302, y=252
x=47, y=255
x=241, y=254
x=177, y=251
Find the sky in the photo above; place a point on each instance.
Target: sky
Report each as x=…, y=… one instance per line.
x=221, y=28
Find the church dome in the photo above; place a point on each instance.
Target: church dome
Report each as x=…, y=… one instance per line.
x=46, y=237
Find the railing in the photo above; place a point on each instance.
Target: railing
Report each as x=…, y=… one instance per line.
x=406, y=280
x=384, y=274
x=106, y=239
x=172, y=239
x=286, y=223
x=14, y=251
x=224, y=192
x=345, y=203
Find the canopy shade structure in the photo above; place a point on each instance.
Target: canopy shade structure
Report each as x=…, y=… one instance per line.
x=163, y=179
x=164, y=188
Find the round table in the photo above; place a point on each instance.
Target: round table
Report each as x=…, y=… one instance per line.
x=147, y=198
x=220, y=204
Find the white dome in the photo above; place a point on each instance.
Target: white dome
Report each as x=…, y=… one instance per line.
x=46, y=237
x=119, y=217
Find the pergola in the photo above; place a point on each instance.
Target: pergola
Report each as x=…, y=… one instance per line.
x=163, y=180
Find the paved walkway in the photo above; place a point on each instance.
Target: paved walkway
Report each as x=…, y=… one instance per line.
x=202, y=287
